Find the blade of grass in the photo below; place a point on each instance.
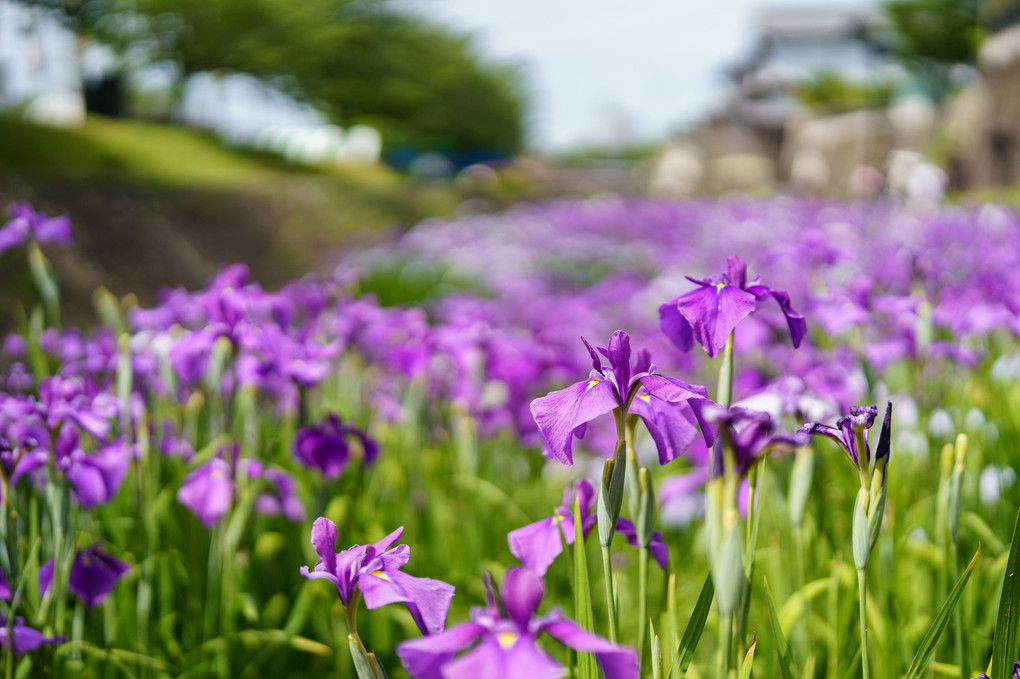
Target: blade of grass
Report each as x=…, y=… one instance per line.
x=931, y=638
x=782, y=647
x=586, y=667
x=745, y=667
x=692, y=633
x=1006, y=641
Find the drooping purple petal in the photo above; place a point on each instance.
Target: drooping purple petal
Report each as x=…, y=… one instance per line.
x=506, y=656
x=538, y=544
x=427, y=599
x=617, y=662
x=424, y=658
x=674, y=326
x=713, y=312
x=94, y=574
x=560, y=413
x=45, y=576
x=26, y=639
x=97, y=477
x=54, y=230
x=656, y=547
x=672, y=426
x=208, y=491
x=796, y=322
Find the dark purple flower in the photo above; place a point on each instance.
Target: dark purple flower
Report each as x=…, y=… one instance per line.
x=1016, y=672
x=847, y=429
x=657, y=547
x=94, y=574
x=672, y=426
x=45, y=576
x=15, y=346
x=709, y=313
x=538, y=544
x=28, y=225
x=282, y=498
x=96, y=477
x=748, y=434
x=25, y=638
x=501, y=641
x=173, y=445
x=374, y=570
x=561, y=415
x=208, y=491
x=65, y=400
x=28, y=452
x=326, y=446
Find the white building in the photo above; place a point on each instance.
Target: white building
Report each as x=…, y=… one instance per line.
x=796, y=44
x=249, y=112
x=39, y=72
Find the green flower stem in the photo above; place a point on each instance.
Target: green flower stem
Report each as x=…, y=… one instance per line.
x=962, y=652
x=749, y=561
x=725, y=645
x=642, y=603
x=607, y=569
x=862, y=591
x=724, y=393
x=351, y=615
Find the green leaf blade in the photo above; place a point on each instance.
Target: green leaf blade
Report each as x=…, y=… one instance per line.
x=782, y=647
x=931, y=638
x=692, y=633
x=1006, y=640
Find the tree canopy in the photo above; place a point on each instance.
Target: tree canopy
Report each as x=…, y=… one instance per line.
x=358, y=60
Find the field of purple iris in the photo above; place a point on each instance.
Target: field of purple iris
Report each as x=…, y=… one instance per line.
x=611, y=437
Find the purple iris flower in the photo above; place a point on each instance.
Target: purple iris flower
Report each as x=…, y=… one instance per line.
x=26, y=455
x=45, y=576
x=282, y=498
x=25, y=638
x=749, y=434
x=374, y=571
x=709, y=313
x=94, y=574
x=96, y=477
x=1016, y=672
x=538, y=544
x=28, y=225
x=325, y=446
x=657, y=547
x=561, y=415
x=507, y=639
x=15, y=346
x=859, y=420
x=208, y=491
x=65, y=400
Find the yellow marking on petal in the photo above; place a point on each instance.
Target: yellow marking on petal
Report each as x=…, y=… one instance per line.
x=644, y=397
x=557, y=518
x=507, y=639
x=380, y=574
x=592, y=383
x=720, y=285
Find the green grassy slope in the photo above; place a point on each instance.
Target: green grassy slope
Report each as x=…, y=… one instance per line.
x=156, y=205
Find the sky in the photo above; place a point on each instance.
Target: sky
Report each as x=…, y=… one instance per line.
x=601, y=70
